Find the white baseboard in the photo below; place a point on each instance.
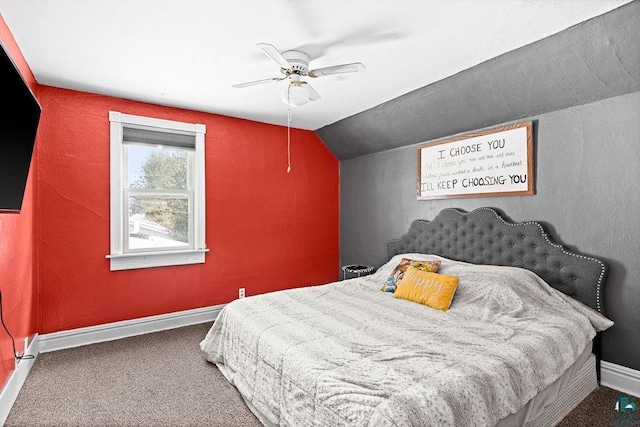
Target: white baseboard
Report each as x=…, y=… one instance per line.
x=126, y=328
x=621, y=378
x=12, y=387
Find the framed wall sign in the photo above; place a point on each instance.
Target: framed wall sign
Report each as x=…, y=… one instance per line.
x=495, y=162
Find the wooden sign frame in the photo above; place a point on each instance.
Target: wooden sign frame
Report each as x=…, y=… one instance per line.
x=494, y=162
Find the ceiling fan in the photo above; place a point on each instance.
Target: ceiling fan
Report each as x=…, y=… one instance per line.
x=294, y=64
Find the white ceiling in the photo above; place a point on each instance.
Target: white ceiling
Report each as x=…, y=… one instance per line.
x=188, y=53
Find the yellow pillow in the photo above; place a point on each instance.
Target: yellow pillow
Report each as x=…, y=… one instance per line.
x=431, y=289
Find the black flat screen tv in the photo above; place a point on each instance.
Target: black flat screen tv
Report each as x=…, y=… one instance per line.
x=18, y=127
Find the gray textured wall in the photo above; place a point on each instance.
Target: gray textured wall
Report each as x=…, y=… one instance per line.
x=587, y=189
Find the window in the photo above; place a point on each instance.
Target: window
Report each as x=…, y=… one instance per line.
x=157, y=192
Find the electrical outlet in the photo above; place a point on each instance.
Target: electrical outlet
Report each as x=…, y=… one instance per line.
x=241, y=293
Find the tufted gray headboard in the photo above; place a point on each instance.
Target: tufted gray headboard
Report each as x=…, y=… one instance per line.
x=483, y=236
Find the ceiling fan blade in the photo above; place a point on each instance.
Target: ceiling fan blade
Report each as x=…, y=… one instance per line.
x=313, y=95
x=259, y=82
x=337, y=69
x=274, y=54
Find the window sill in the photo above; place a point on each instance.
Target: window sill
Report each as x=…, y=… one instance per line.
x=156, y=259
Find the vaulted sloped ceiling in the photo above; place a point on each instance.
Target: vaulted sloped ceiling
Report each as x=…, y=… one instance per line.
x=189, y=54
x=594, y=60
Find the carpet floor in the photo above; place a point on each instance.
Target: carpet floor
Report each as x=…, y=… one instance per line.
x=158, y=379
x=162, y=379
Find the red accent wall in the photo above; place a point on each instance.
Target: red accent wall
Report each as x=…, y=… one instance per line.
x=266, y=230
x=17, y=253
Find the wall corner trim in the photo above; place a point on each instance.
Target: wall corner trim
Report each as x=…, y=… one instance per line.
x=621, y=378
x=9, y=392
x=126, y=328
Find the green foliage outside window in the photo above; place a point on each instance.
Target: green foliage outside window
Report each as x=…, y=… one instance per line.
x=165, y=170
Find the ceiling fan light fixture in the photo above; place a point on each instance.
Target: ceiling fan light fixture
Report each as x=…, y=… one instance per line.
x=295, y=95
x=293, y=65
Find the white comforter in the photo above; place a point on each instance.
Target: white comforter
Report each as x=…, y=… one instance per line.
x=348, y=354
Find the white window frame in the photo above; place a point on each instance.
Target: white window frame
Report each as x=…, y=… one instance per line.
x=121, y=260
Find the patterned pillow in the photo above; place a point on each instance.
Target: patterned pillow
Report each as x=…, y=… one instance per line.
x=431, y=289
x=398, y=272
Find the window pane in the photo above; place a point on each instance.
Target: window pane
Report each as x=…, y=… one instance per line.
x=157, y=167
x=157, y=222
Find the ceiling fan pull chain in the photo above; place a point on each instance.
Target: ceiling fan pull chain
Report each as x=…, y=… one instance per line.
x=288, y=132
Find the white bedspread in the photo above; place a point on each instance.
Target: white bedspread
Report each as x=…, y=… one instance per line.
x=348, y=354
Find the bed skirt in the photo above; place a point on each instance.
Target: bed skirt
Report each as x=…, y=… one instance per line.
x=555, y=402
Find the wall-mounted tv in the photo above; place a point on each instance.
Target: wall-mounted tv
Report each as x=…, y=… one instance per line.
x=18, y=126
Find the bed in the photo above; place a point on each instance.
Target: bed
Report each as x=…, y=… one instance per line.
x=515, y=346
